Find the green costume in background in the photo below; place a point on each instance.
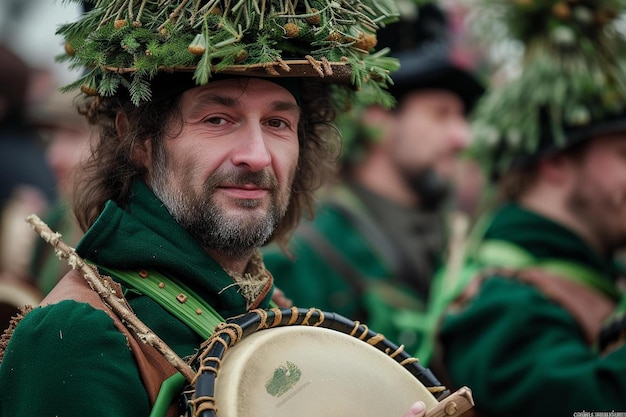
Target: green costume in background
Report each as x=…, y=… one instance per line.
x=45, y=267
x=83, y=344
x=365, y=258
x=535, y=359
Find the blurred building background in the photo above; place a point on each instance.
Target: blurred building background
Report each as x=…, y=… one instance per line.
x=28, y=28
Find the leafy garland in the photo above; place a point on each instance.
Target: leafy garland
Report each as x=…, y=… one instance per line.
x=573, y=74
x=124, y=43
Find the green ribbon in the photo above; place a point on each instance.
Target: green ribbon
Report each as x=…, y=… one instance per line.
x=174, y=296
x=502, y=253
x=170, y=389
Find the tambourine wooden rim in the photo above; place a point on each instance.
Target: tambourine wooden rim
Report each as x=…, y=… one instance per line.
x=232, y=331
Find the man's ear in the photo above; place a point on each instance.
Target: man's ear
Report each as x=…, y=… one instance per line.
x=375, y=115
x=556, y=169
x=121, y=124
x=140, y=151
x=379, y=119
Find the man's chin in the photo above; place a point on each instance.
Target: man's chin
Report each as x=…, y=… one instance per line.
x=249, y=219
x=244, y=214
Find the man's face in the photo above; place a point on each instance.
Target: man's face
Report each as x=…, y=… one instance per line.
x=598, y=197
x=226, y=175
x=431, y=131
x=68, y=147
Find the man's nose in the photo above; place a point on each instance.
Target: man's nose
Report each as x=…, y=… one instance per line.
x=251, y=149
x=460, y=135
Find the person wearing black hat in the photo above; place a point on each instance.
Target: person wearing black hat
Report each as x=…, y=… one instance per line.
x=214, y=122
x=537, y=322
x=376, y=240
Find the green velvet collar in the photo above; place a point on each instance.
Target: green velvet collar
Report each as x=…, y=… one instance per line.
x=543, y=239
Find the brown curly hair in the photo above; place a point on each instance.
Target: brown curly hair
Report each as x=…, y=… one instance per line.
x=110, y=171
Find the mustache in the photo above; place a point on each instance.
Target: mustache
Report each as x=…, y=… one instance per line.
x=262, y=179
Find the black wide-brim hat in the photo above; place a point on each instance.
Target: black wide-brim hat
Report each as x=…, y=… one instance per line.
x=421, y=40
x=573, y=137
x=435, y=71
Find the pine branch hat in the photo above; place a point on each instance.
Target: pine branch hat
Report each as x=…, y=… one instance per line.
x=571, y=85
x=126, y=44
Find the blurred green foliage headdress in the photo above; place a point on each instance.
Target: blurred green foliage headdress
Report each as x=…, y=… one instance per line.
x=571, y=84
x=124, y=44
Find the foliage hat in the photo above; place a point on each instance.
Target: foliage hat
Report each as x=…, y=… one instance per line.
x=125, y=45
x=571, y=81
x=421, y=41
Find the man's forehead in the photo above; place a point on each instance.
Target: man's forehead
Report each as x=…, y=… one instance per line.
x=613, y=140
x=235, y=88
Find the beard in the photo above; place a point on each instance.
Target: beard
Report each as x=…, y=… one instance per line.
x=209, y=222
x=601, y=210
x=434, y=191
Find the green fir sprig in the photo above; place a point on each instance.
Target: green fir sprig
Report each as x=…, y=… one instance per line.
x=124, y=43
x=572, y=75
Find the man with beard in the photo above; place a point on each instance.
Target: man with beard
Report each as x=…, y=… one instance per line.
x=378, y=235
x=204, y=154
x=537, y=327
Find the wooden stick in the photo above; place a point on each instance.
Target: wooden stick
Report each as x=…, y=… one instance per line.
x=104, y=290
x=453, y=405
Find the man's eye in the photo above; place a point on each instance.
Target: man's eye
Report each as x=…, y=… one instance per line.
x=277, y=123
x=214, y=120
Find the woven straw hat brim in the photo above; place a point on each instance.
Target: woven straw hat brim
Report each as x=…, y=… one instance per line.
x=337, y=72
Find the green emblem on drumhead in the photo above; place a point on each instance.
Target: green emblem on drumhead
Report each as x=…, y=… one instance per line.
x=284, y=378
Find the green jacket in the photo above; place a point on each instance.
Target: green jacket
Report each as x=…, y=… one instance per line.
x=68, y=359
x=522, y=353
x=346, y=261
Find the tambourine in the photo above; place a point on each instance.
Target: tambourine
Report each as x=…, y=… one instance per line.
x=305, y=363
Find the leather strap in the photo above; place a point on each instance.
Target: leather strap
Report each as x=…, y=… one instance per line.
x=573, y=296
x=153, y=367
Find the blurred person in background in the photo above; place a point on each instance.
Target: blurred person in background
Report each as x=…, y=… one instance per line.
x=27, y=184
x=66, y=134
x=21, y=149
x=379, y=233
x=535, y=323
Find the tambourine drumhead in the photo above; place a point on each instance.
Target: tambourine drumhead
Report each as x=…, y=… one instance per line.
x=313, y=372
